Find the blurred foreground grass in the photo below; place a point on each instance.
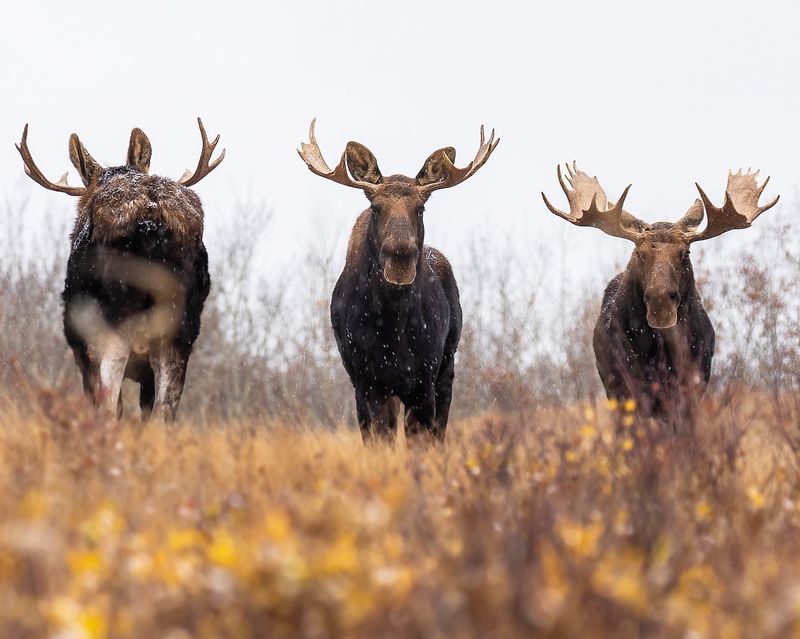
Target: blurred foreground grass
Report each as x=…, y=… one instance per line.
x=537, y=524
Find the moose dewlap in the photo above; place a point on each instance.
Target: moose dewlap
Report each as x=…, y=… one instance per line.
x=395, y=309
x=137, y=275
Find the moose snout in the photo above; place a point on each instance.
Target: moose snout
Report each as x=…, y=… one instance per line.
x=400, y=251
x=662, y=306
x=400, y=262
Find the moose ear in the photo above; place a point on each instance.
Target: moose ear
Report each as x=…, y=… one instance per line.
x=139, y=151
x=692, y=219
x=436, y=167
x=87, y=166
x=362, y=164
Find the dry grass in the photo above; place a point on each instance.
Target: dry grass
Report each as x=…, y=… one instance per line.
x=538, y=524
x=257, y=517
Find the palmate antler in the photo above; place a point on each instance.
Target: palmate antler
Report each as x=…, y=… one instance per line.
x=310, y=154
x=454, y=175
x=203, y=166
x=589, y=206
x=37, y=176
x=739, y=210
x=450, y=174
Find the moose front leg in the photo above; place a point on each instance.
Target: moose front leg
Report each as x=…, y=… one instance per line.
x=169, y=369
x=444, y=394
x=420, y=426
x=421, y=416
x=377, y=417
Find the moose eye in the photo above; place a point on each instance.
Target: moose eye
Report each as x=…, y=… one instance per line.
x=419, y=210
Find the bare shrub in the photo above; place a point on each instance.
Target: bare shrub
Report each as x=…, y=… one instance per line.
x=266, y=348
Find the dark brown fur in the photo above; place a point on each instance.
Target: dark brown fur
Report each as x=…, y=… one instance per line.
x=395, y=310
x=128, y=198
x=137, y=275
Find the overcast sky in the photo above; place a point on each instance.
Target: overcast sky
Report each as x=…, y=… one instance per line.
x=657, y=94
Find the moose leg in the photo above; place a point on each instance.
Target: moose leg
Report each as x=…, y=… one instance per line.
x=444, y=394
x=417, y=433
x=381, y=422
x=362, y=413
x=169, y=368
x=147, y=393
x=420, y=417
x=113, y=356
x=90, y=371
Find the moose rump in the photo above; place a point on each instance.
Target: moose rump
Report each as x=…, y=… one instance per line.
x=137, y=275
x=133, y=294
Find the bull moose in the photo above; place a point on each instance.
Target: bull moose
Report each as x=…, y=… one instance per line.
x=137, y=274
x=653, y=340
x=395, y=309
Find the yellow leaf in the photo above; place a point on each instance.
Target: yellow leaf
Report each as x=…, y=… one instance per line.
x=629, y=405
x=277, y=526
x=222, y=550
x=703, y=511
x=756, y=498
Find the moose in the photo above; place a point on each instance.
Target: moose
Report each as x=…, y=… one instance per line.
x=653, y=340
x=395, y=310
x=137, y=273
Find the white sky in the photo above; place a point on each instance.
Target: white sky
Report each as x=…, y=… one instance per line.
x=658, y=94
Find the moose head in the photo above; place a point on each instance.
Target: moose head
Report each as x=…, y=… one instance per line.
x=660, y=267
x=397, y=202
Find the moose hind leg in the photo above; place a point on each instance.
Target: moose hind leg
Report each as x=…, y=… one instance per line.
x=90, y=371
x=147, y=393
x=113, y=356
x=169, y=369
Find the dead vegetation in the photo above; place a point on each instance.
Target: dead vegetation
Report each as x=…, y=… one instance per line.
x=261, y=514
x=534, y=524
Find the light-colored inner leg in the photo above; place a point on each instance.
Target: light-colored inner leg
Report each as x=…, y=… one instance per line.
x=168, y=368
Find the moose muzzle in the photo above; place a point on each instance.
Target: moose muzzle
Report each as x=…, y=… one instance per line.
x=400, y=263
x=662, y=307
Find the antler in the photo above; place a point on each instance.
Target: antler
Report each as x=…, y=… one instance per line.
x=312, y=156
x=203, y=167
x=588, y=206
x=454, y=175
x=37, y=176
x=740, y=208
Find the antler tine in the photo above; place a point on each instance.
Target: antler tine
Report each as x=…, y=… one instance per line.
x=457, y=176
x=203, y=166
x=311, y=154
x=589, y=206
x=33, y=172
x=567, y=192
x=740, y=208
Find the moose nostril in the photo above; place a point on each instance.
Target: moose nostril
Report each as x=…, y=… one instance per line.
x=401, y=251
